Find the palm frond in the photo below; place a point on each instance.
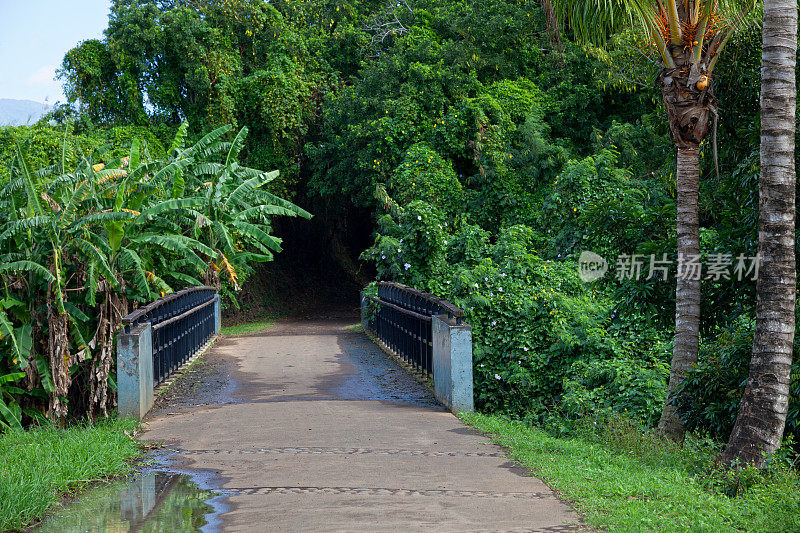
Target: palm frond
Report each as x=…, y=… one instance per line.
x=29, y=181
x=131, y=262
x=173, y=204
x=175, y=243
x=253, y=231
x=236, y=147
x=28, y=266
x=250, y=185
x=7, y=331
x=208, y=145
x=180, y=139
x=19, y=226
x=98, y=258
x=103, y=217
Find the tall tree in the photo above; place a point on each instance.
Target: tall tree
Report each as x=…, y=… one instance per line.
x=689, y=36
x=762, y=414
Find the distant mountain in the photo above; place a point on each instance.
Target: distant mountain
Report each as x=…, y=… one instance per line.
x=20, y=112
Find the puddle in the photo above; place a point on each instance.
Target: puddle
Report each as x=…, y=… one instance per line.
x=148, y=502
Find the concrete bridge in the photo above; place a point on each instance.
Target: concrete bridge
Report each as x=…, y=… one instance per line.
x=308, y=426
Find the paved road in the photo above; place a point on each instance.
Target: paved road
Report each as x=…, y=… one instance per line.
x=310, y=427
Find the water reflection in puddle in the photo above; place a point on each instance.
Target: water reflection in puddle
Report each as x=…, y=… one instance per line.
x=149, y=502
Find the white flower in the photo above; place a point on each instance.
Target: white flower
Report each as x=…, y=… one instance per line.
x=401, y=241
x=383, y=257
x=485, y=279
x=494, y=322
x=419, y=217
x=497, y=376
x=407, y=266
x=500, y=289
x=399, y=250
x=525, y=348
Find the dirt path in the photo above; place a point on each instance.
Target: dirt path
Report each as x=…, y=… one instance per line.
x=309, y=427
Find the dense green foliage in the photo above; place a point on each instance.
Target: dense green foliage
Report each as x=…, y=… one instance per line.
x=489, y=160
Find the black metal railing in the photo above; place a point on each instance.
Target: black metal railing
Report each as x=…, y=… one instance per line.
x=181, y=323
x=403, y=322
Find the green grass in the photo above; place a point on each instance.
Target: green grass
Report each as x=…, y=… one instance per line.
x=248, y=327
x=39, y=467
x=626, y=480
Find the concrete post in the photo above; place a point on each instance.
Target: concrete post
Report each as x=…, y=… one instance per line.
x=135, y=371
x=217, y=316
x=364, y=310
x=452, y=364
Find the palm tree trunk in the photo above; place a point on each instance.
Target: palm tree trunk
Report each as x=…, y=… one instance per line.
x=762, y=413
x=689, y=110
x=687, y=292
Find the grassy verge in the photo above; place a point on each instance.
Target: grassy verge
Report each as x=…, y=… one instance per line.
x=39, y=467
x=247, y=327
x=626, y=480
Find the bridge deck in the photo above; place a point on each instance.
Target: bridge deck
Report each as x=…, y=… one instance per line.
x=310, y=427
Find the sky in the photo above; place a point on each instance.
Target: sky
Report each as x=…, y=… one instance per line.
x=35, y=35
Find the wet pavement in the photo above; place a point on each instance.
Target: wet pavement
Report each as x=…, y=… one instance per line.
x=308, y=426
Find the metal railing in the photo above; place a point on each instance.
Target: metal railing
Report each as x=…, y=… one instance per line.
x=181, y=323
x=403, y=322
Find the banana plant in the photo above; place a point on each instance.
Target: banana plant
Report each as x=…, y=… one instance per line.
x=79, y=247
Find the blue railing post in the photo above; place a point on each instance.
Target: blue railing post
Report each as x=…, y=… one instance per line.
x=178, y=325
x=217, y=316
x=452, y=364
x=135, y=371
x=428, y=334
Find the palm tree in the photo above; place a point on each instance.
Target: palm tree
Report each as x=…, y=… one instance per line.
x=762, y=414
x=689, y=36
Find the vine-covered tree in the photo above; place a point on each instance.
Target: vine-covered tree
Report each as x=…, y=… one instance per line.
x=207, y=63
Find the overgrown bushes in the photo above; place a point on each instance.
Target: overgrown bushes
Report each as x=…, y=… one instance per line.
x=708, y=399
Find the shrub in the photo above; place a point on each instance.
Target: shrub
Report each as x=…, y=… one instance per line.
x=708, y=399
x=424, y=175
